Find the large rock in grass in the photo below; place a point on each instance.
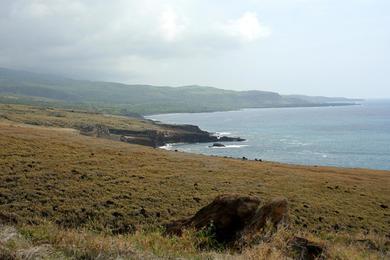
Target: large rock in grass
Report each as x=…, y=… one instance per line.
x=236, y=220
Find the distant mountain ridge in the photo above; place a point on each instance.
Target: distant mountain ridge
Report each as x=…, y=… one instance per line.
x=28, y=87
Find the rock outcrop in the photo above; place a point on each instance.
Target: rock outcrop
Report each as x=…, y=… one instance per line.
x=154, y=138
x=236, y=220
x=95, y=130
x=217, y=145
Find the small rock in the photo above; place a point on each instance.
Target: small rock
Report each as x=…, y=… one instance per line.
x=383, y=206
x=143, y=212
x=217, y=145
x=336, y=227
x=109, y=202
x=306, y=249
x=116, y=214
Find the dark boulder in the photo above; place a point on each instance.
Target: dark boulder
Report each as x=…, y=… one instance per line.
x=274, y=213
x=217, y=145
x=235, y=219
x=306, y=250
x=230, y=139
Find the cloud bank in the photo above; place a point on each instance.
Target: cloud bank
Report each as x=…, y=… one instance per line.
x=319, y=47
x=87, y=35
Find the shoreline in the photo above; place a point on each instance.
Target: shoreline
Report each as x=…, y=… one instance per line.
x=126, y=130
x=147, y=116
x=260, y=160
x=310, y=153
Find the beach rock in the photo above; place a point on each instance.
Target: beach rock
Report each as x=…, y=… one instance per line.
x=217, y=145
x=230, y=139
x=235, y=219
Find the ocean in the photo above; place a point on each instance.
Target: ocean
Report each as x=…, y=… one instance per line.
x=346, y=136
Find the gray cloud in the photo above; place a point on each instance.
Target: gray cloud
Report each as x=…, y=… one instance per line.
x=318, y=47
x=91, y=36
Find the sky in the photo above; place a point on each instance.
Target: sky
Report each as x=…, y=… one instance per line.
x=313, y=47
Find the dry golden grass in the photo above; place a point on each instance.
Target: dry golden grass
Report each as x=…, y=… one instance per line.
x=48, y=241
x=74, y=181
x=54, y=117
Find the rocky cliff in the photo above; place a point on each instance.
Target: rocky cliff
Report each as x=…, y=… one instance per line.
x=157, y=138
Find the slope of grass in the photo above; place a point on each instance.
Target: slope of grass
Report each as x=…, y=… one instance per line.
x=95, y=188
x=55, y=117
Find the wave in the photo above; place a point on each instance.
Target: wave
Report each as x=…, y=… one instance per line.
x=222, y=133
x=166, y=147
x=293, y=142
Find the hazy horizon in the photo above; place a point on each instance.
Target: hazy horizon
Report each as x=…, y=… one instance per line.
x=317, y=48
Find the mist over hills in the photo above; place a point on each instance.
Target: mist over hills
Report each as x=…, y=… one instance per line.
x=34, y=88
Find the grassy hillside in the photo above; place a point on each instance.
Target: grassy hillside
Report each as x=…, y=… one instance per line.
x=75, y=193
x=76, y=119
x=31, y=88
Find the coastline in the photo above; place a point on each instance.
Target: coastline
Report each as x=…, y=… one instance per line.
x=144, y=132
x=355, y=103
x=270, y=140
x=278, y=163
x=107, y=178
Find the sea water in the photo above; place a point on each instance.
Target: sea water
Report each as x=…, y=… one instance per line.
x=345, y=136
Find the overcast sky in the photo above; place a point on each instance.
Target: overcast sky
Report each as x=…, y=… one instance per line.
x=316, y=47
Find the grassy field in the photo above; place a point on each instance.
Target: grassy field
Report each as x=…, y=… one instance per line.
x=54, y=117
x=56, y=184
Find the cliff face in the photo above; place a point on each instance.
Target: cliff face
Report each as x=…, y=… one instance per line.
x=155, y=138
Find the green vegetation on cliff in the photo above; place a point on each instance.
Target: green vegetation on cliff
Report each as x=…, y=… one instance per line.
x=31, y=88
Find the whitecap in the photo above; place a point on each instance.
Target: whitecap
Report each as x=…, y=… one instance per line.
x=166, y=147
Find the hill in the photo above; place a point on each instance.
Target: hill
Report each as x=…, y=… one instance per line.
x=32, y=88
x=83, y=197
